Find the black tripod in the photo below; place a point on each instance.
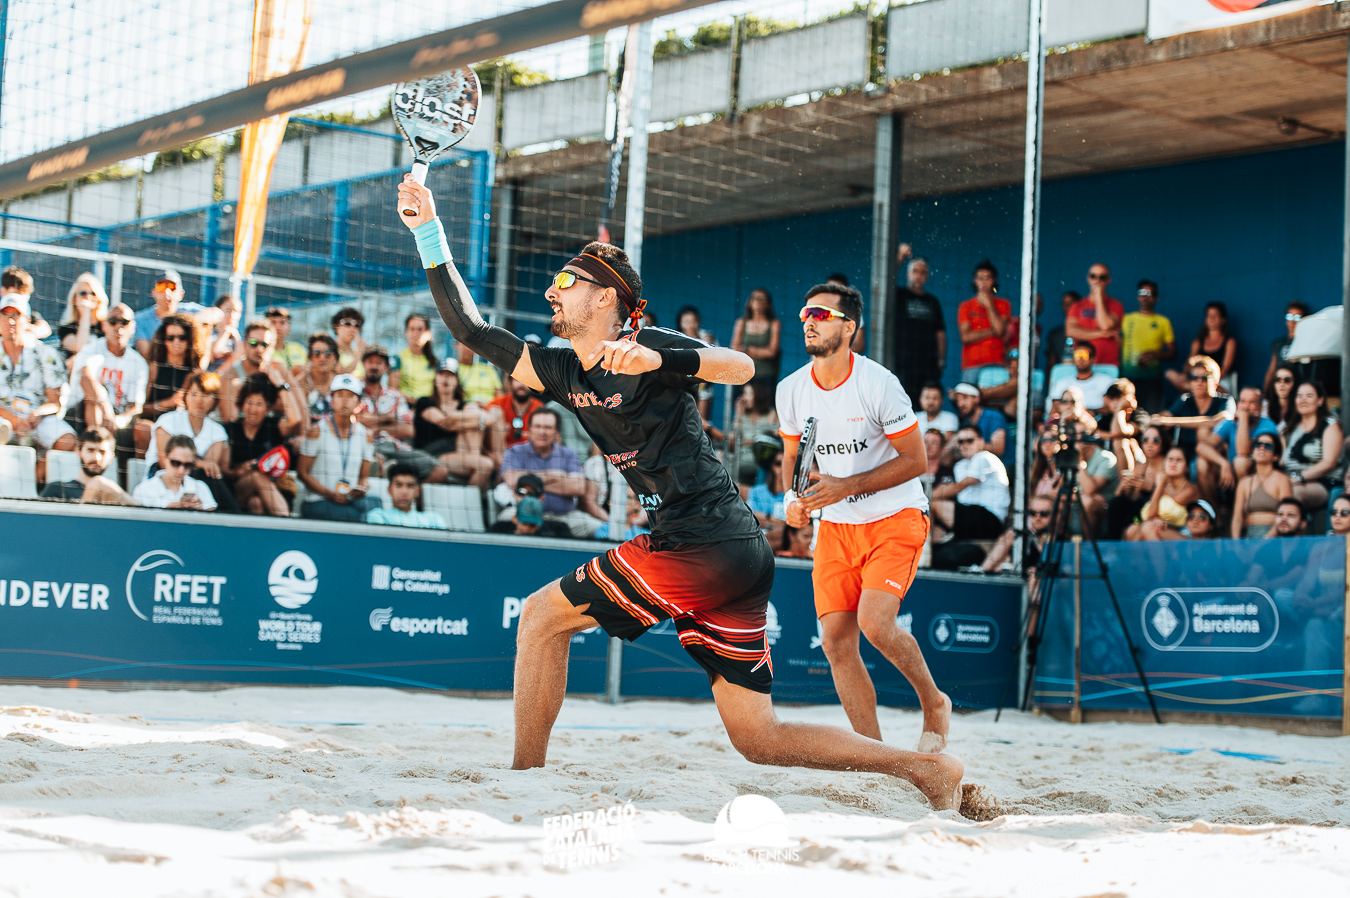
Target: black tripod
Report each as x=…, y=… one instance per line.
x=1048, y=572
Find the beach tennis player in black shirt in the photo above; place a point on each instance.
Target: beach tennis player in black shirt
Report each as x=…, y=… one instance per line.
x=706, y=565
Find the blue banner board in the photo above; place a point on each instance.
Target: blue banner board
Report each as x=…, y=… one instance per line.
x=148, y=598
x=1223, y=626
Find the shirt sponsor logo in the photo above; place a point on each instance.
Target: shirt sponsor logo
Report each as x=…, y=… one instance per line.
x=841, y=448
x=397, y=579
x=623, y=460
x=587, y=400
x=174, y=597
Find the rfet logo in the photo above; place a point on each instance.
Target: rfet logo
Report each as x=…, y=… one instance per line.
x=170, y=594
x=293, y=579
x=585, y=400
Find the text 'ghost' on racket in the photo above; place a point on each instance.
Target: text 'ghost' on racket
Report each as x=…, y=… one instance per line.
x=806, y=455
x=433, y=115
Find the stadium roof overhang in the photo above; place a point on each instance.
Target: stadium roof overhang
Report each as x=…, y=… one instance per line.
x=1122, y=104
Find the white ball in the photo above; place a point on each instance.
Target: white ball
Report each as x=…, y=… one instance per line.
x=751, y=820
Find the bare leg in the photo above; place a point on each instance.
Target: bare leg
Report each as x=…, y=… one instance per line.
x=762, y=738
x=547, y=623
x=876, y=618
x=857, y=693
x=944, y=514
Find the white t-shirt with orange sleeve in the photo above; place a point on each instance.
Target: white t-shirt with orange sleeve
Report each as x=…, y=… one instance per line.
x=855, y=423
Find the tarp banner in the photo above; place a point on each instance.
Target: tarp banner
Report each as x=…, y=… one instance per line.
x=1169, y=17
x=1223, y=626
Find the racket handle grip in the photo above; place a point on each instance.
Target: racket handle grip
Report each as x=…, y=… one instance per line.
x=419, y=173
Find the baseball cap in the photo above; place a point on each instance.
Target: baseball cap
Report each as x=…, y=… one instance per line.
x=529, y=484
x=966, y=389
x=170, y=274
x=278, y=312
x=375, y=349
x=346, y=382
x=18, y=301
x=530, y=511
x=1208, y=509
x=450, y=364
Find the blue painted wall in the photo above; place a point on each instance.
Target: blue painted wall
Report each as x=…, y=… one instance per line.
x=1254, y=231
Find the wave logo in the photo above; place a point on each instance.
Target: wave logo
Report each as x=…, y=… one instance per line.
x=379, y=617
x=148, y=562
x=293, y=579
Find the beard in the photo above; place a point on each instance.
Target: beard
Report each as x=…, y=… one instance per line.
x=91, y=472
x=825, y=345
x=569, y=328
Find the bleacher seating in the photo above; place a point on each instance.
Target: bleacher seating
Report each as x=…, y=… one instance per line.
x=136, y=468
x=17, y=472
x=461, y=507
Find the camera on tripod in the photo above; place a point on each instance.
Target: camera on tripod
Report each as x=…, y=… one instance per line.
x=1068, y=437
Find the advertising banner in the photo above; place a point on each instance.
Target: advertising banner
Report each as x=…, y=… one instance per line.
x=89, y=599
x=1169, y=17
x=1223, y=626
x=965, y=629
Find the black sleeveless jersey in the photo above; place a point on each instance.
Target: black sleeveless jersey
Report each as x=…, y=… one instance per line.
x=648, y=426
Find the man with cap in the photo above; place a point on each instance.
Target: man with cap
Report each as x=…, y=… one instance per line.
x=706, y=565
x=529, y=521
x=168, y=295
x=108, y=383
x=335, y=460
x=288, y=352
x=15, y=280
x=991, y=424
x=31, y=377
x=385, y=414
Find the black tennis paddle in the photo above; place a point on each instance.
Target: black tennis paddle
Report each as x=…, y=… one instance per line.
x=433, y=115
x=806, y=456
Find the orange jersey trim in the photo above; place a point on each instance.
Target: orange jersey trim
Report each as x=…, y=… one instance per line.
x=851, y=358
x=914, y=426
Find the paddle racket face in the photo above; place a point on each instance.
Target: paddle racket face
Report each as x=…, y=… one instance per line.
x=434, y=114
x=806, y=456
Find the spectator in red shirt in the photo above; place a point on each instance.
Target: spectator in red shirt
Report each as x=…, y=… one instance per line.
x=1097, y=316
x=515, y=407
x=983, y=322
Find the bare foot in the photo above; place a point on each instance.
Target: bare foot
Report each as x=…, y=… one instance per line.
x=936, y=722
x=938, y=777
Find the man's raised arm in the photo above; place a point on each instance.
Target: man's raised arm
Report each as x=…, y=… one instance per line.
x=498, y=345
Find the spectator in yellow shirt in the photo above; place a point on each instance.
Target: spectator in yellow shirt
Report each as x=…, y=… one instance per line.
x=1147, y=342
x=480, y=380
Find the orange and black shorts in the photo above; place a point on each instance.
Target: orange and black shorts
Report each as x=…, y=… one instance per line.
x=717, y=595
x=880, y=555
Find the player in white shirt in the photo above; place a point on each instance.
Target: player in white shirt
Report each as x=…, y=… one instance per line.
x=874, y=515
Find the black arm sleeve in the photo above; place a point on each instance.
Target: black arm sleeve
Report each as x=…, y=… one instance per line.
x=498, y=345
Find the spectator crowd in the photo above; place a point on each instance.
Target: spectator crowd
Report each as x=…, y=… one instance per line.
x=234, y=416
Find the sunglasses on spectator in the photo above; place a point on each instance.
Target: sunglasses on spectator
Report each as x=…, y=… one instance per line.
x=349, y=322
x=118, y=322
x=1194, y=376
x=1094, y=276
x=175, y=463
x=1038, y=514
x=564, y=279
x=319, y=352
x=1287, y=379
x=1151, y=440
x=173, y=338
x=821, y=313
x=1264, y=444
x=965, y=441
x=1145, y=292
x=1340, y=512
x=1292, y=316
x=256, y=342
x=1196, y=515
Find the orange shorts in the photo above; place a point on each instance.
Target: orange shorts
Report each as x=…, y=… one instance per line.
x=881, y=555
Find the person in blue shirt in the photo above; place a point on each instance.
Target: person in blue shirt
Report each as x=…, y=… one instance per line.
x=1237, y=434
x=404, y=489
x=766, y=501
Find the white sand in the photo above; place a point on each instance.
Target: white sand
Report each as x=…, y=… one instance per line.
x=375, y=792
